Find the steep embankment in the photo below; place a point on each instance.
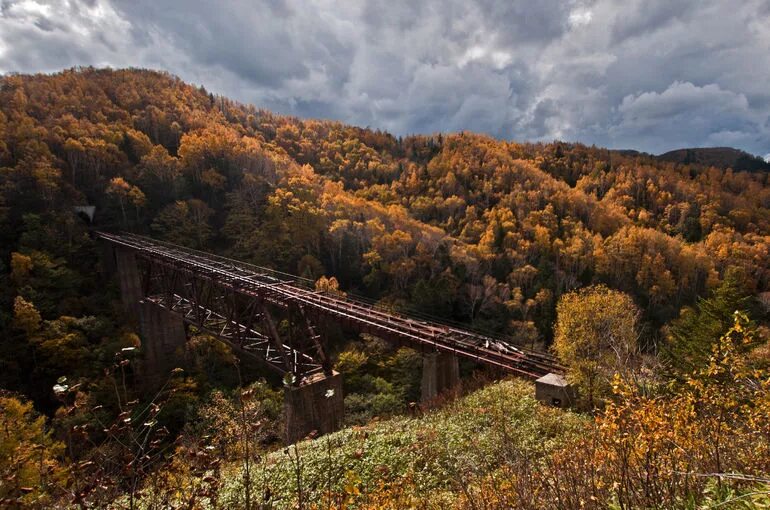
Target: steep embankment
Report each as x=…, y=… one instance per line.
x=429, y=459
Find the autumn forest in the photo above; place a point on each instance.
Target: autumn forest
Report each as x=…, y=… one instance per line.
x=649, y=279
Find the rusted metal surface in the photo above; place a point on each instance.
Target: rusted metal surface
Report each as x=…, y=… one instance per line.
x=235, y=301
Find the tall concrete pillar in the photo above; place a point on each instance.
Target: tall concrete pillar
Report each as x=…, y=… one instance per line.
x=316, y=404
x=130, y=281
x=108, y=258
x=163, y=334
x=440, y=373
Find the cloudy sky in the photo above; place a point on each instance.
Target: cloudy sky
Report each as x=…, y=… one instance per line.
x=646, y=74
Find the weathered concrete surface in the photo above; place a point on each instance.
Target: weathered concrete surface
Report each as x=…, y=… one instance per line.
x=163, y=335
x=130, y=281
x=440, y=373
x=553, y=389
x=315, y=405
x=108, y=259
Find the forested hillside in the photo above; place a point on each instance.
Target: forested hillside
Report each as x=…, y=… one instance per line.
x=461, y=226
x=721, y=157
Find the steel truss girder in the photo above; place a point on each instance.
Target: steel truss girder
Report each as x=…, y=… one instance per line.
x=221, y=286
x=219, y=309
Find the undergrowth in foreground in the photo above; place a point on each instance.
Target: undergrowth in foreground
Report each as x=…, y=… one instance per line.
x=704, y=445
x=431, y=455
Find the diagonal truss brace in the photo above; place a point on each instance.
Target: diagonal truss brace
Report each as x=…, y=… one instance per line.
x=219, y=309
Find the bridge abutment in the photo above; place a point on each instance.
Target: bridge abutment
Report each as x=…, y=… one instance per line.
x=316, y=404
x=440, y=373
x=163, y=333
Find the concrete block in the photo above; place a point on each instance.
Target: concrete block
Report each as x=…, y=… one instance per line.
x=163, y=334
x=316, y=404
x=553, y=389
x=108, y=262
x=440, y=373
x=130, y=281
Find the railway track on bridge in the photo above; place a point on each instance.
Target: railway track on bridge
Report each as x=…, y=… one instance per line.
x=177, y=278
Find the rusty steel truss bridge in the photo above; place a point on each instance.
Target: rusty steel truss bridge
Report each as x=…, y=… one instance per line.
x=243, y=304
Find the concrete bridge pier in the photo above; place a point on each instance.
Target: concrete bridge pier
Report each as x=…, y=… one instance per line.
x=440, y=373
x=108, y=259
x=130, y=281
x=316, y=404
x=163, y=333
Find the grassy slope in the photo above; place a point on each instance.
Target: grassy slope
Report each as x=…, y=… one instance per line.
x=431, y=455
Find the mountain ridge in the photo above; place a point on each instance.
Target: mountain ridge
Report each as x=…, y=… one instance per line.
x=718, y=157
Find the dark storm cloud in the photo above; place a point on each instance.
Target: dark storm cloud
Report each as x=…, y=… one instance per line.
x=645, y=74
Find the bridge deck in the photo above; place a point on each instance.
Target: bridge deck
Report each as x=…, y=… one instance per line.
x=425, y=334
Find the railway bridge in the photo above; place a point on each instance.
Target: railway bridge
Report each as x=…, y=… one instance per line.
x=280, y=320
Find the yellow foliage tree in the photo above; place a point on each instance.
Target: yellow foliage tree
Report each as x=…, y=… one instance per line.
x=21, y=265
x=329, y=285
x=25, y=316
x=595, y=337
x=125, y=193
x=29, y=465
x=654, y=449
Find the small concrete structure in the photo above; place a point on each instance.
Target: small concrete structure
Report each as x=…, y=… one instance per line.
x=440, y=373
x=163, y=333
x=315, y=405
x=553, y=389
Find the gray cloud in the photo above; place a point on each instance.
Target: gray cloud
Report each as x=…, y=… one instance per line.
x=684, y=111
x=652, y=75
